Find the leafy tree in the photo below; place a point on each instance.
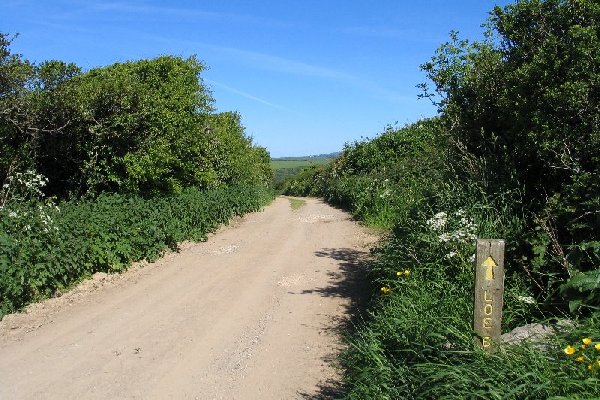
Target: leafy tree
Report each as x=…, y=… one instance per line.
x=233, y=155
x=144, y=125
x=522, y=107
x=15, y=117
x=35, y=113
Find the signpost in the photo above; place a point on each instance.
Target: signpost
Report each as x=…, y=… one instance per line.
x=489, y=291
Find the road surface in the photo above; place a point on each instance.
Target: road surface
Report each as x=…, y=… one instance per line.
x=256, y=312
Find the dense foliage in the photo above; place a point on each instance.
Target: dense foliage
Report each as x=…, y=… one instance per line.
x=142, y=127
x=287, y=168
x=113, y=165
x=46, y=248
x=523, y=110
x=513, y=155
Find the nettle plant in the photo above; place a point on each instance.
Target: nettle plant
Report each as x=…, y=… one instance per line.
x=22, y=206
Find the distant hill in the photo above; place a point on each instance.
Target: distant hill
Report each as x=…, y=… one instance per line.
x=285, y=167
x=308, y=158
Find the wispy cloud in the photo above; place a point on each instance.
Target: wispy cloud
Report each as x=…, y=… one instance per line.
x=140, y=9
x=284, y=65
x=244, y=94
x=281, y=64
x=390, y=33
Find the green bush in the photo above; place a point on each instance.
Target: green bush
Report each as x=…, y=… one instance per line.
x=521, y=108
x=45, y=248
x=378, y=180
x=513, y=155
x=417, y=342
x=143, y=127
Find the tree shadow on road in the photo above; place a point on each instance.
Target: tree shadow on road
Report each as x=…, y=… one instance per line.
x=349, y=283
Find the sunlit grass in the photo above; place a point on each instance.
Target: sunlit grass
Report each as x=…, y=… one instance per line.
x=296, y=203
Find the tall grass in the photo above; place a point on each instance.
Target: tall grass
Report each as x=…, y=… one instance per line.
x=417, y=341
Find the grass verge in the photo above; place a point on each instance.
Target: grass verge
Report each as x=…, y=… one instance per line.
x=296, y=203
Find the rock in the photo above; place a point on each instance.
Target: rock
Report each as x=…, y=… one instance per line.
x=535, y=333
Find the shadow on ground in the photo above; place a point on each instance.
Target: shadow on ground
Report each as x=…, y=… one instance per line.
x=349, y=283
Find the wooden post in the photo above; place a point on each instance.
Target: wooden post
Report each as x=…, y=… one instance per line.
x=489, y=292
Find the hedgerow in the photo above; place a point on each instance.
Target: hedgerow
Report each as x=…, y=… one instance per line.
x=45, y=248
x=104, y=167
x=512, y=155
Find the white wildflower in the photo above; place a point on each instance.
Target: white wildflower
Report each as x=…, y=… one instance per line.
x=438, y=221
x=385, y=194
x=451, y=255
x=526, y=299
x=445, y=237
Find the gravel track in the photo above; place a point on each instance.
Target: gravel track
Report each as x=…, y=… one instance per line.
x=256, y=312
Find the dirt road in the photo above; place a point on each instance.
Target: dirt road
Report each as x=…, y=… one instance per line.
x=253, y=313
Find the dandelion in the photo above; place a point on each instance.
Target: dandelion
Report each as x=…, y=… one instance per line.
x=597, y=346
x=590, y=367
x=570, y=350
x=407, y=272
x=586, y=341
x=580, y=359
x=385, y=290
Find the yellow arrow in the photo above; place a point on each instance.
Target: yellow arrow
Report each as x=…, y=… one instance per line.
x=489, y=264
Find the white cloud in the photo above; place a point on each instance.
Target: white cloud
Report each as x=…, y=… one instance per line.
x=243, y=94
x=293, y=67
x=391, y=33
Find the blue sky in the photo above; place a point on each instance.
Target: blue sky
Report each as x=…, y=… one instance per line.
x=307, y=76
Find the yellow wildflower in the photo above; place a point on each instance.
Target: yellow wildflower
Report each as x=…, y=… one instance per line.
x=586, y=341
x=399, y=273
x=597, y=346
x=570, y=350
x=385, y=290
x=407, y=272
x=583, y=346
x=590, y=367
x=580, y=359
